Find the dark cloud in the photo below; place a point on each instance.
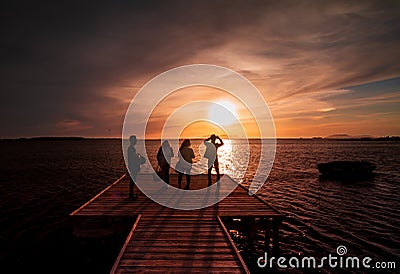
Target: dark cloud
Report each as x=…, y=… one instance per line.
x=76, y=64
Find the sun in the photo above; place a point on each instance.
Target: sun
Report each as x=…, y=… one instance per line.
x=218, y=115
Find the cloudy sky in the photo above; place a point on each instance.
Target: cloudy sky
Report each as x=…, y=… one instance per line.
x=323, y=67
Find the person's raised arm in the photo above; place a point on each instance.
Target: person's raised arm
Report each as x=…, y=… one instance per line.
x=220, y=141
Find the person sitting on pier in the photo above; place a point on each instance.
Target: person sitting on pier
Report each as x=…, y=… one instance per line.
x=185, y=161
x=134, y=162
x=212, y=155
x=164, y=155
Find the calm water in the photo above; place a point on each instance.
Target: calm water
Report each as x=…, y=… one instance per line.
x=43, y=181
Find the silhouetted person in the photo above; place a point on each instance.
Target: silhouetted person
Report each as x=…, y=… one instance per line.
x=134, y=162
x=212, y=155
x=164, y=155
x=184, y=164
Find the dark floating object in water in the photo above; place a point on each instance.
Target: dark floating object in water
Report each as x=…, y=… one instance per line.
x=346, y=169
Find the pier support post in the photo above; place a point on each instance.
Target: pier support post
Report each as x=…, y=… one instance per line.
x=267, y=234
x=251, y=231
x=276, y=223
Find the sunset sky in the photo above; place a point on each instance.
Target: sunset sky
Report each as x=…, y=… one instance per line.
x=323, y=67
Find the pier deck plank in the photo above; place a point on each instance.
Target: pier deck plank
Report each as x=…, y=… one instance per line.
x=115, y=201
x=197, y=247
x=171, y=240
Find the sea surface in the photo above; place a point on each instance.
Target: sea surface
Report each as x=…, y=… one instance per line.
x=43, y=181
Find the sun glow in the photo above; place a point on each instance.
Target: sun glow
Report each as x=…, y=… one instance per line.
x=217, y=114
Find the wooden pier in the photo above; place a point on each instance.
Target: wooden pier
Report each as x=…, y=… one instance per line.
x=179, y=241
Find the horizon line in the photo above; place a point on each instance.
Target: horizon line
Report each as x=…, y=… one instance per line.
x=329, y=137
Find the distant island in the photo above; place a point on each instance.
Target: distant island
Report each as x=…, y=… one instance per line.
x=347, y=137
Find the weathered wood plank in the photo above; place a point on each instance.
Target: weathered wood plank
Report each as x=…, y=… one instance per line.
x=180, y=256
x=155, y=269
x=175, y=241
x=181, y=250
x=114, y=201
x=193, y=244
x=121, y=253
x=172, y=262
